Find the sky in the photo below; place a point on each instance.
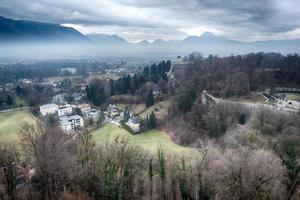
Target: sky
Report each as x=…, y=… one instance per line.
x=136, y=20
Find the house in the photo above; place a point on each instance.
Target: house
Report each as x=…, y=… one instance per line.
x=26, y=81
x=134, y=124
x=156, y=90
x=70, y=70
x=111, y=107
x=70, y=123
x=64, y=110
x=112, y=111
x=84, y=107
x=77, y=96
x=92, y=114
x=48, y=109
x=59, y=98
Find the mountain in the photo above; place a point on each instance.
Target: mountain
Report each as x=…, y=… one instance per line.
x=158, y=42
x=31, y=31
x=61, y=38
x=143, y=43
x=209, y=38
x=106, y=39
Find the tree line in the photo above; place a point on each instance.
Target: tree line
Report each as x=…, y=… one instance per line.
x=99, y=91
x=116, y=170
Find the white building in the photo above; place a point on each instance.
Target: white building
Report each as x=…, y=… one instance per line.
x=26, y=81
x=70, y=123
x=64, y=110
x=48, y=109
x=70, y=70
x=92, y=114
x=59, y=98
x=135, y=126
x=84, y=107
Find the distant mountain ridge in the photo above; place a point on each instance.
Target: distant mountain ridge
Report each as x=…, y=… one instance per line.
x=107, y=39
x=22, y=30
x=31, y=31
x=209, y=38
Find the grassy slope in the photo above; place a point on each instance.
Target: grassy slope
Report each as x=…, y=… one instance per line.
x=294, y=97
x=11, y=123
x=160, y=113
x=21, y=102
x=149, y=140
x=251, y=98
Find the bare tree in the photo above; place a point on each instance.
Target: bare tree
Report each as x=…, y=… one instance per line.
x=51, y=158
x=9, y=158
x=248, y=174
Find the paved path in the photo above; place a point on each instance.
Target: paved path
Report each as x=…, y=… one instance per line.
x=14, y=109
x=251, y=105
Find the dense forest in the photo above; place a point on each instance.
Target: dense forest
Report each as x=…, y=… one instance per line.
x=138, y=85
x=238, y=75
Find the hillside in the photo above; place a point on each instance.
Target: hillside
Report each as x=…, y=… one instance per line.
x=11, y=123
x=208, y=43
x=105, y=39
x=150, y=140
x=31, y=31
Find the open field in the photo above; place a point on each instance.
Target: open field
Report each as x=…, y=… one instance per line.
x=102, y=77
x=251, y=98
x=293, y=96
x=11, y=123
x=20, y=102
x=59, y=78
x=149, y=140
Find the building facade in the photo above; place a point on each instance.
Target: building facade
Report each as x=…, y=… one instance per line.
x=70, y=123
x=48, y=109
x=64, y=110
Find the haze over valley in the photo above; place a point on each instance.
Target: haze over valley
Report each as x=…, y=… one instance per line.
x=21, y=38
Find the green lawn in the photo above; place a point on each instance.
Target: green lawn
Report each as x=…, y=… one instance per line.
x=21, y=102
x=251, y=98
x=293, y=96
x=11, y=123
x=149, y=140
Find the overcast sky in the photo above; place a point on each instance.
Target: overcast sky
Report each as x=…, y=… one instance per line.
x=135, y=20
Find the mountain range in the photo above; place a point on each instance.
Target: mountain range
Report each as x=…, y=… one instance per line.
x=31, y=31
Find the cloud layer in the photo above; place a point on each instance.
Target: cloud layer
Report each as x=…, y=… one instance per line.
x=168, y=19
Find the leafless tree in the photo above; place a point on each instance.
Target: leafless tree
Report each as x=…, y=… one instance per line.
x=9, y=158
x=51, y=158
x=248, y=174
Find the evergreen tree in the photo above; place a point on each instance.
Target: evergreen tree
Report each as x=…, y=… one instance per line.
x=18, y=90
x=152, y=121
x=9, y=100
x=149, y=99
x=151, y=174
x=96, y=92
x=126, y=115
x=112, y=87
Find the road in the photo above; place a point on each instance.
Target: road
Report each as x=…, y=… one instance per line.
x=14, y=109
x=249, y=104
